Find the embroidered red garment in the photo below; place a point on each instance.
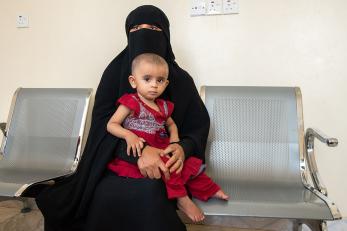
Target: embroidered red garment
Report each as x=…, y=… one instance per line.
x=149, y=124
x=146, y=122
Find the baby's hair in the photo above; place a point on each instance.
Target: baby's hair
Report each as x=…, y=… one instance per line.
x=150, y=58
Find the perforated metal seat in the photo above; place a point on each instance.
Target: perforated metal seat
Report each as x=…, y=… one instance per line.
x=256, y=152
x=42, y=137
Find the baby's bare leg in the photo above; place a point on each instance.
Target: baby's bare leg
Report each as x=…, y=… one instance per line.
x=186, y=205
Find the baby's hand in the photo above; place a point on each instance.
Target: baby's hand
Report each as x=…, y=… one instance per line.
x=135, y=144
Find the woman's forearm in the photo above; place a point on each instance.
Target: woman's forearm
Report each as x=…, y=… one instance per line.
x=188, y=146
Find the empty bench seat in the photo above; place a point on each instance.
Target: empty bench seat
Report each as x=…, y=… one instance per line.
x=257, y=152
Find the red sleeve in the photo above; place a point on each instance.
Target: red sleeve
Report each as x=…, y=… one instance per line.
x=130, y=101
x=170, y=107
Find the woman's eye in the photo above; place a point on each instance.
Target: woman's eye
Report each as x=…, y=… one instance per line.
x=136, y=27
x=154, y=28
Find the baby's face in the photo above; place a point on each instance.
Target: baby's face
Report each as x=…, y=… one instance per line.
x=150, y=80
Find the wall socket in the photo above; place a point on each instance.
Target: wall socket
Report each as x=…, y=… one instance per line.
x=230, y=6
x=22, y=21
x=198, y=7
x=214, y=7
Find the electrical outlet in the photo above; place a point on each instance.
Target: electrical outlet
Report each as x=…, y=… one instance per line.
x=214, y=7
x=230, y=6
x=22, y=21
x=198, y=7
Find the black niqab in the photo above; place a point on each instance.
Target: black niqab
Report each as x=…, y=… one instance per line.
x=67, y=201
x=147, y=41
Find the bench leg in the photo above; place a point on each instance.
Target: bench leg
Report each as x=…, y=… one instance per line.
x=323, y=226
x=26, y=205
x=297, y=225
x=314, y=225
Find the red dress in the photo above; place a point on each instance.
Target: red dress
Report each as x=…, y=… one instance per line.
x=149, y=124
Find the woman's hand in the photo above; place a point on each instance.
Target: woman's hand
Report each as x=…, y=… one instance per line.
x=134, y=144
x=150, y=163
x=176, y=161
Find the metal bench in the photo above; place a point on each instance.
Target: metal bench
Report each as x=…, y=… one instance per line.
x=258, y=152
x=42, y=138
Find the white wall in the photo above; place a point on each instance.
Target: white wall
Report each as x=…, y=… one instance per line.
x=271, y=42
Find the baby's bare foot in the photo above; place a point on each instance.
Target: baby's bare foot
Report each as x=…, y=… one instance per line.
x=221, y=195
x=186, y=205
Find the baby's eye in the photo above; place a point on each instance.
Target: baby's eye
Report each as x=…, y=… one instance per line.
x=160, y=81
x=147, y=79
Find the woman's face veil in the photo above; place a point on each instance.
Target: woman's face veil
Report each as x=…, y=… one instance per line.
x=146, y=40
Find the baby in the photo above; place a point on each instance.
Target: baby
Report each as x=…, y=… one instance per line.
x=142, y=118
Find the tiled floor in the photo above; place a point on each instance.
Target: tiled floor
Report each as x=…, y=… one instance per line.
x=11, y=219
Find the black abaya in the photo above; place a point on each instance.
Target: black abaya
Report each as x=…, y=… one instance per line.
x=142, y=209
x=66, y=205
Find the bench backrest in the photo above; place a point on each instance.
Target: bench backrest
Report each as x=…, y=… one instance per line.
x=45, y=129
x=254, y=134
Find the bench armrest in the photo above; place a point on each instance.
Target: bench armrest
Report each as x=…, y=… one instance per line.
x=310, y=135
x=3, y=128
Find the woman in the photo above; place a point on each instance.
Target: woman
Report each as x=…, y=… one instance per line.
x=102, y=200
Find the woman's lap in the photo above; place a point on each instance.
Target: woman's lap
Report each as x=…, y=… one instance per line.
x=125, y=204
